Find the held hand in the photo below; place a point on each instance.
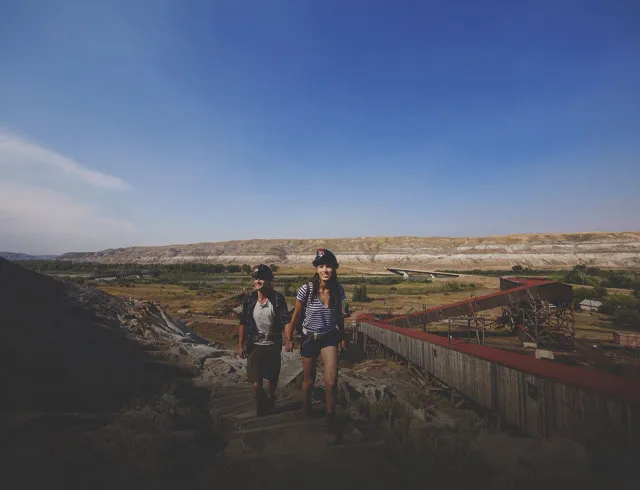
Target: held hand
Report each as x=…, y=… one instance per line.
x=344, y=344
x=288, y=346
x=242, y=351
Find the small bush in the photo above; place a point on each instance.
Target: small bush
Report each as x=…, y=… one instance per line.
x=599, y=292
x=360, y=294
x=624, y=310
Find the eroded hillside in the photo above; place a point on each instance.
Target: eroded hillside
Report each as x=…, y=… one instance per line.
x=615, y=250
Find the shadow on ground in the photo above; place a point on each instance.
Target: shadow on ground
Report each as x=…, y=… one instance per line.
x=84, y=405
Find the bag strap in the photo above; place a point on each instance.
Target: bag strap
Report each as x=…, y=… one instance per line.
x=306, y=302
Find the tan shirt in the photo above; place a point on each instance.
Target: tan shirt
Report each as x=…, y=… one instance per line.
x=264, y=317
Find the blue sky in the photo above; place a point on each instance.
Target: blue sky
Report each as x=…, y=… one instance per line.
x=162, y=122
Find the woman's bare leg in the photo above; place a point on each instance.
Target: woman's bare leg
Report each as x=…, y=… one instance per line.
x=330, y=364
x=309, y=367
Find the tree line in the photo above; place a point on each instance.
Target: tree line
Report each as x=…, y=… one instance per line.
x=88, y=267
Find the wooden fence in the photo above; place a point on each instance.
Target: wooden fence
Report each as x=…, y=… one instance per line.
x=540, y=397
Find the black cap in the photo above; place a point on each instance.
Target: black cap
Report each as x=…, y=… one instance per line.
x=325, y=256
x=262, y=272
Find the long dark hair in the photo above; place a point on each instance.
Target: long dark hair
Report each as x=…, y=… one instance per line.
x=332, y=284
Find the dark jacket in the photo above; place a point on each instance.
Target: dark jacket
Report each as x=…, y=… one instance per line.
x=280, y=310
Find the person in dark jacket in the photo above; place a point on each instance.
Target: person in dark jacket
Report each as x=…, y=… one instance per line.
x=263, y=318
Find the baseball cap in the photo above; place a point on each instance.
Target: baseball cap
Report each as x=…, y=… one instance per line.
x=262, y=272
x=325, y=256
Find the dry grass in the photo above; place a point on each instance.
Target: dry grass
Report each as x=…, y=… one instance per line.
x=398, y=303
x=170, y=297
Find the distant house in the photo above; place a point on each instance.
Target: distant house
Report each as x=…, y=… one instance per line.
x=590, y=304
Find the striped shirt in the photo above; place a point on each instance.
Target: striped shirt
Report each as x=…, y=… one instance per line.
x=319, y=318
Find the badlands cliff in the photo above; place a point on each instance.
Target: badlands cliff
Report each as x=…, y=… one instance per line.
x=612, y=250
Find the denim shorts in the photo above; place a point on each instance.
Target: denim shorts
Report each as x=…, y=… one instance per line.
x=310, y=347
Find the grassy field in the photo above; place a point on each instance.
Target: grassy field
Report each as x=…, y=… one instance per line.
x=205, y=295
x=204, y=300
x=171, y=297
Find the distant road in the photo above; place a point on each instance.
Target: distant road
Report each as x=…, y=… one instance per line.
x=407, y=272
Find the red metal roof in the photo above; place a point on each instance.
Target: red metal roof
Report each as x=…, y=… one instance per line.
x=528, y=281
x=477, y=301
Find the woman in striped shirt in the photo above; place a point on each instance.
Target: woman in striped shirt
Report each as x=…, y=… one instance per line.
x=319, y=308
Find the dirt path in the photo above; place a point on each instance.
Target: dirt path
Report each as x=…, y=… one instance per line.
x=285, y=450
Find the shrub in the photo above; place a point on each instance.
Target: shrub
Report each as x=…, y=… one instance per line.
x=627, y=318
x=608, y=308
x=599, y=292
x=580, y=294
x=360, y=294
x=625, y=311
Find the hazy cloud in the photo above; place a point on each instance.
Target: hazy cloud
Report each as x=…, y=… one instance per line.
x=17, y=150
x=40, y=220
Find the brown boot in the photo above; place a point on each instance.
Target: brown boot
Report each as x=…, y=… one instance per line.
x=332, y=429
x=307, y=412
x=260, y=403
x=270, y=402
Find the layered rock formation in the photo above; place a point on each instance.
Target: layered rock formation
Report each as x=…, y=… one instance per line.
x=611, y=250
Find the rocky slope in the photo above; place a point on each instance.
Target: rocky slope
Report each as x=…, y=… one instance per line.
x=614, y=250
x=96, y=390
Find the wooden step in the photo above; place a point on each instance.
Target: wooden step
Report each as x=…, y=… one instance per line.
x=312, y=451
x=230, y=396
x=231, y=399
x=274, y=437
x=282, y=407
x=233, y=406
x=296, y=421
